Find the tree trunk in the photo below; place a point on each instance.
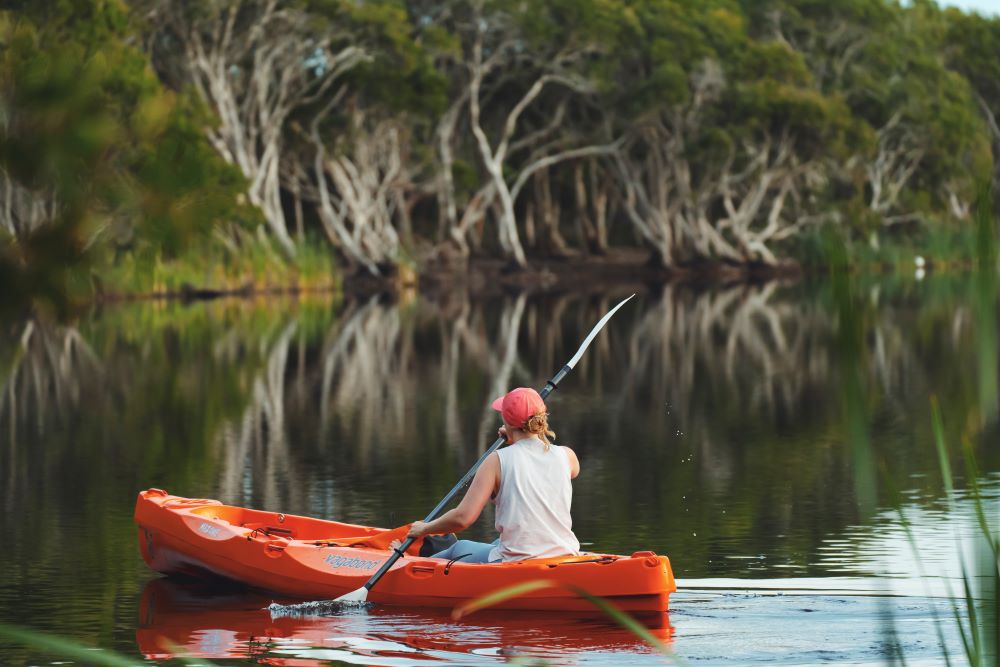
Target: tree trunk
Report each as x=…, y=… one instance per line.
x=555, y=244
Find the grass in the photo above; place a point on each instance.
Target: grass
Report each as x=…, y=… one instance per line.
x=865, y=246
x=976, y=613
x=240, y=261
x=943, y=249
x=67, y=648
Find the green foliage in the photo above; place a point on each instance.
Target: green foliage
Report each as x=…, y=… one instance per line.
x=401, y=76
x=187, y=190
x=90, y=131
x=234, y=261
x=87, y=127
x=660, y=43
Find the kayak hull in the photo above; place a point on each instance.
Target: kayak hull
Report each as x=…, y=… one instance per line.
x=302, y=557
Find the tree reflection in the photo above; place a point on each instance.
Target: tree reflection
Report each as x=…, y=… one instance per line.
x=717, y=412
x=254, y=449
x=47, y=370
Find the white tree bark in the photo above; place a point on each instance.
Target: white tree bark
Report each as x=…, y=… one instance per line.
x=899, y=156
x=357, y=188
x=495, y=153
x=254, y=62
x=24, y=211
x=676, y=207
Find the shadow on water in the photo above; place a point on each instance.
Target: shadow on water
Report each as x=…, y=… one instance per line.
x=740, y=429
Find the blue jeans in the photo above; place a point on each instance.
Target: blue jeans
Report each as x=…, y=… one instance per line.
x=467, y=551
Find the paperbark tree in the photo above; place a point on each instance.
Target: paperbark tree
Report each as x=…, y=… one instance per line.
x=724, y=159
x=884, y=62
x=973, y=49
x=506, y=76
x=255, y=62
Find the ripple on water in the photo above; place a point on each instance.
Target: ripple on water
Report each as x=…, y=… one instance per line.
x=785, y=621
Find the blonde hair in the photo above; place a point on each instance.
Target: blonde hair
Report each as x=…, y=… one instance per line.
x=539, y=425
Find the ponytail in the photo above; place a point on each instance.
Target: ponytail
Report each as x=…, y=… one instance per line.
x=538, y=425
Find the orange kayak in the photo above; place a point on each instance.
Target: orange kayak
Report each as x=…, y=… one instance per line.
x=313, y=559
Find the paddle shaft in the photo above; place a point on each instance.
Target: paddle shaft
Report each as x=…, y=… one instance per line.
x=397, y=553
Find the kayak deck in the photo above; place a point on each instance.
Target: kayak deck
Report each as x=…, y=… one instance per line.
x=312, y=558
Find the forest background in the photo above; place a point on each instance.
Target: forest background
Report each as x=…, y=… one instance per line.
x=150, y=146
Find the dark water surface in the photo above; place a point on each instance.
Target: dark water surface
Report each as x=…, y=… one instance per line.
x=761, y=436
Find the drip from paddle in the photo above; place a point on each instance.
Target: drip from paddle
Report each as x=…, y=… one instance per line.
x=360, y=596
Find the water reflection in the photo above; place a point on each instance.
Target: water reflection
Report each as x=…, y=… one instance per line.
x=257, y=442
x=710, y=423
x=719, y=627
x=718, y=410
x=45, y=374
x=941, y=542
x=199, y=622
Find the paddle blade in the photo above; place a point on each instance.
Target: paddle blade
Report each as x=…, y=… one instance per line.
x=596, y=330
x=359, y=596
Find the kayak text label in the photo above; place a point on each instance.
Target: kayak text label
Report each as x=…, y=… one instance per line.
x=353, y=563
x=209, y=529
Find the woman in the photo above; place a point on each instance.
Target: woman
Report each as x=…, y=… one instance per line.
x=529, y=482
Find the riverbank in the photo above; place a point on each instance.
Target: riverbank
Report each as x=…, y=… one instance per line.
x=478, y=276
x=213, y=273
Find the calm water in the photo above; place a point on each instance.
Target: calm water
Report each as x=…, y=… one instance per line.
x=767, y=438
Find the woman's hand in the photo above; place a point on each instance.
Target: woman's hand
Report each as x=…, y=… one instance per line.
x=417, y=530
x=502, y=432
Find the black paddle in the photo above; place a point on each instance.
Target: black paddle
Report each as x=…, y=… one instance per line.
x=361, y=595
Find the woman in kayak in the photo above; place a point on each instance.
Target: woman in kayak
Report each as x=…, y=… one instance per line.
x=529, y=481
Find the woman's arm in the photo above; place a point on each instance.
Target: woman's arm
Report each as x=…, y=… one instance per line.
x=574, y=463
x=463, y=516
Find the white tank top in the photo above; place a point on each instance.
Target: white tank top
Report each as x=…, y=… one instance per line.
x=532, y=505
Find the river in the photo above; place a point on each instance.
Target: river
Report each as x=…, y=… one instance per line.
x=774, y=440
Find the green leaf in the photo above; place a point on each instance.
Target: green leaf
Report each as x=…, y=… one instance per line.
x=942, y=447
x=66, y=648
x=502, y=595
x=615, y=614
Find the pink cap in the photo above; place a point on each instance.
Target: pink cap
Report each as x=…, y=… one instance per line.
x=519, y=405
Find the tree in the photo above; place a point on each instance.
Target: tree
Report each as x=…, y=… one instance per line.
x=726, y=135
x=916, y=121
x=95, y=156
x=255, y=62
x=972, y=47
x=516, y=69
